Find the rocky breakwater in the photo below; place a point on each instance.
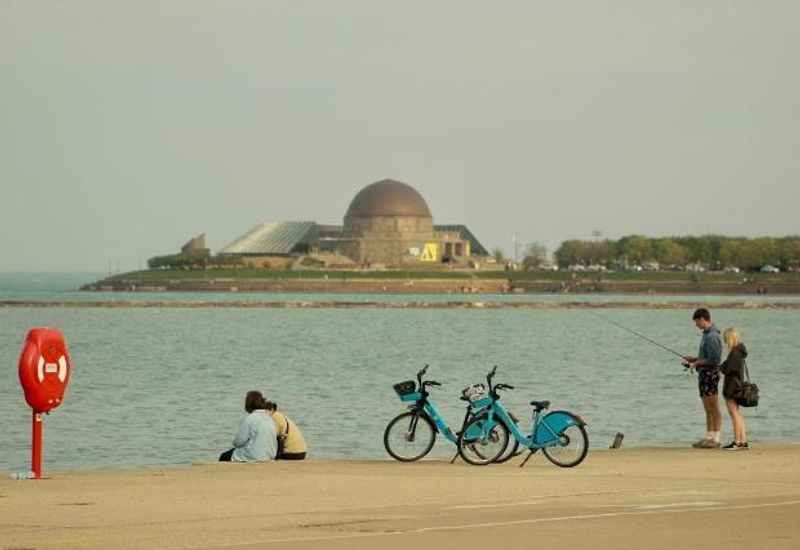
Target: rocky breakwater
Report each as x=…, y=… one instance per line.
x=303, y=285
x=449, y=304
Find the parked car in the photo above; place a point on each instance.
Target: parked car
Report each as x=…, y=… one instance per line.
x=770, y=269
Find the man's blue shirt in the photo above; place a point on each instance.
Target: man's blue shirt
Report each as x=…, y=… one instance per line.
x=710, y=354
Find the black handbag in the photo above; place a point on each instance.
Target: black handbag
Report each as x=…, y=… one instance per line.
x=282, y=440
x=748, y=394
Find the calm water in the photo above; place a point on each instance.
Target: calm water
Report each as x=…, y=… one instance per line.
x=165, y=386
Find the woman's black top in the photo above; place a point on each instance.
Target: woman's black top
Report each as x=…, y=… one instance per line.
x=733, y=369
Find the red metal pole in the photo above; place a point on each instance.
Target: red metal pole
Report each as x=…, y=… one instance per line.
x=36, y=447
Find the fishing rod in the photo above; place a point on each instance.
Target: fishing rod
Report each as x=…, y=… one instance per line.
x=642, y=336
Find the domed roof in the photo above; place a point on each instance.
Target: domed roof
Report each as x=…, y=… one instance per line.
x=388, y=198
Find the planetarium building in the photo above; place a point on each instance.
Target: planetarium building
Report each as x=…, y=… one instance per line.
x=387, y=223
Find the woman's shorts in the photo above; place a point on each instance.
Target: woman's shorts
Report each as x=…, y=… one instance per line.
x=707, y=382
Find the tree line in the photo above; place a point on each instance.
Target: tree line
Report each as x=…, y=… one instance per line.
x=710, y=251
x=193, y=261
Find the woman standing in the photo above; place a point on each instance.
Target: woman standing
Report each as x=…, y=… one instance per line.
x=733, y=369
x=256, y=439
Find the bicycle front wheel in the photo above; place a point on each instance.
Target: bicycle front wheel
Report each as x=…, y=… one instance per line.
x=409, y=436
x=571, y=449
x=481, y=443
x=511, y=451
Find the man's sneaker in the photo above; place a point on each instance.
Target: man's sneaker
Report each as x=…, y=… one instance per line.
x=710, y=444
x=737, y=447
x=699, y=443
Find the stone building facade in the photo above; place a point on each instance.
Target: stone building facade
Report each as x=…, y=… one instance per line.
x=387, y=223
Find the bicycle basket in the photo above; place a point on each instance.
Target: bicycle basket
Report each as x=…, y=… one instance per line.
x=474, y=392
x=405, y=388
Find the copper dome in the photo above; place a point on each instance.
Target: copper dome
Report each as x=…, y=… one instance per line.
x=388, y=198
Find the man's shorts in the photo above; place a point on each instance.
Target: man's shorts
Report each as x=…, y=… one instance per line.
x=707, y=381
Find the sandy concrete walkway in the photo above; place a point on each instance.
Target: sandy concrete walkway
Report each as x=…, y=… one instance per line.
x=641, y=498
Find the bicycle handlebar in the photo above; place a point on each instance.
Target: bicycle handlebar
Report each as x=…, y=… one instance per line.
x=490, y=376
x=421, y=373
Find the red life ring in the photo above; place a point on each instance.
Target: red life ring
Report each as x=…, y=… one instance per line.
x=44, y=369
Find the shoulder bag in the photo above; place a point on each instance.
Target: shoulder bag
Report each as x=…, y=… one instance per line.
x=748, y=394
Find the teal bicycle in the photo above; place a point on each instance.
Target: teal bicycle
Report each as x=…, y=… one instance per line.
x=561, y=435
x=411, y=435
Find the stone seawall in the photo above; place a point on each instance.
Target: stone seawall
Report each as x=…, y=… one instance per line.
x=655, y=287
x=350, y=286
x=441, y=286
x=439, y=304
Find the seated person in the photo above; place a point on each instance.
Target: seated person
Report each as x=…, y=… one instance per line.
x=291, y=444
x=256, y=439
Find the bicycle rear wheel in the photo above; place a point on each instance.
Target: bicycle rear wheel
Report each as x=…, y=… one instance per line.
x=573, y=444
x=409, y=436
x=480, y=443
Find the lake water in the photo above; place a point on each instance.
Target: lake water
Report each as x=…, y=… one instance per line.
x=165, y=386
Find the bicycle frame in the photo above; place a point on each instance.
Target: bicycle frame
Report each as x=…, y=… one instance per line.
x=545, y=429
x=429, y=409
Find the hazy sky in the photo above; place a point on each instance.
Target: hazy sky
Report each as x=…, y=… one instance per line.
x=128, y=127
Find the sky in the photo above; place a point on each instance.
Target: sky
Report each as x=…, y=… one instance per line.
x=126, y=128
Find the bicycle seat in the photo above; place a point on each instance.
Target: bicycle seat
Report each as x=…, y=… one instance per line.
x=540, y=405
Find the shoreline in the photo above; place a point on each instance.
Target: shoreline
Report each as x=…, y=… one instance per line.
x=444, y=304
x=50, y=474
x=626, y=498
x=445, y=283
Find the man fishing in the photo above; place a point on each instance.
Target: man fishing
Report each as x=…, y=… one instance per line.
x=707, y=365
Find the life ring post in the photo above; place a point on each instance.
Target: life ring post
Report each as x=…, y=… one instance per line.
x=36, y=445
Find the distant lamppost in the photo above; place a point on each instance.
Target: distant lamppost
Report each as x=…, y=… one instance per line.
x=516, y=247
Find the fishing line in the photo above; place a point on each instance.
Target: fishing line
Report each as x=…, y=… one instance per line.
x=642, y=336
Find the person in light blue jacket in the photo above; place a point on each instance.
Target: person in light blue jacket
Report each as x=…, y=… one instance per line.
x=256, y=440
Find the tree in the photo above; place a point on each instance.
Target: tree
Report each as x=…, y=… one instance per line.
x=600, y=252
x=498, y=254
x=636, y=249
x=751, y=255
x=535, y=256
x=789, y=252
x=668, y=252
x=698, y=249
x=570, y=252
x=170, y=261
x=730, y=253
x=714, y=251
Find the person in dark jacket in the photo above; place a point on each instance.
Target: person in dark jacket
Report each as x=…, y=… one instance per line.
x=733, y=369
x=707, y=365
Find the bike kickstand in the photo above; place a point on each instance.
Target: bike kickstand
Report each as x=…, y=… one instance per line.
x=530, y=454
x=455, y=456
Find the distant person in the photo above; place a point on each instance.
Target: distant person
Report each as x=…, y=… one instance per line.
x=291, y=444
x=733, y=369
x=707, y=365
x=256, y=440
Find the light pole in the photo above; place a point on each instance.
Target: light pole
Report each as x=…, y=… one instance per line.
x=515, y=244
